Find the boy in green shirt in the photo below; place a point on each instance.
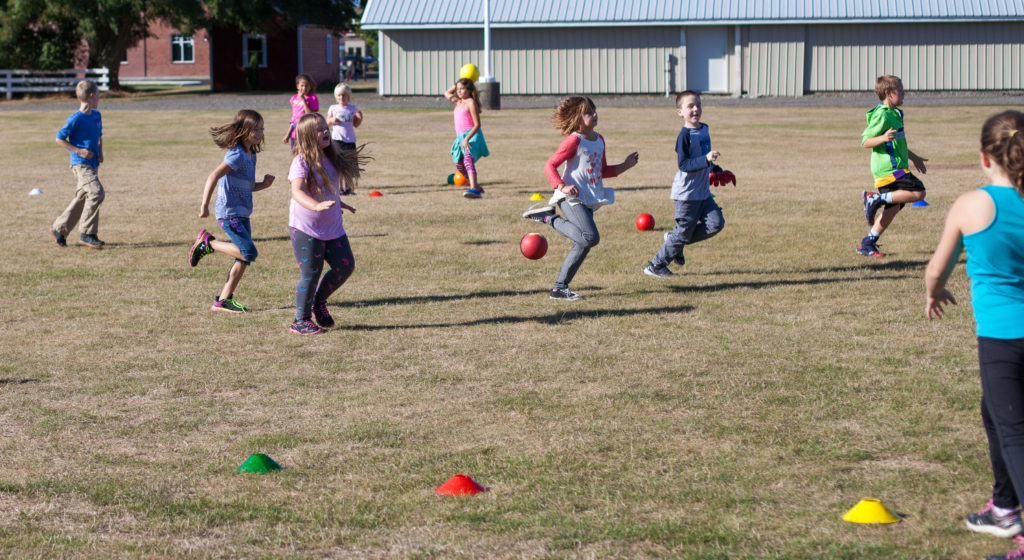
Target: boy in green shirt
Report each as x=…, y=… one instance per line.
x=896, y=185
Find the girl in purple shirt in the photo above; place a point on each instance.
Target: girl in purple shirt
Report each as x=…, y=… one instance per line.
x=315, y=221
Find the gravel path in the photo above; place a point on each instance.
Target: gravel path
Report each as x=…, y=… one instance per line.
x=258, y=101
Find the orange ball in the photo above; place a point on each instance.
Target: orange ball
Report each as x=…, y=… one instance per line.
x=460, y=180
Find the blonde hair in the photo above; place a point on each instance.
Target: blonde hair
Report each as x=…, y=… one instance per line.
x=886, y=83
x=341, y=88
x=232, y=134
x=307, y=146
x=999, y=139
x=568, y=117
x=85, y=88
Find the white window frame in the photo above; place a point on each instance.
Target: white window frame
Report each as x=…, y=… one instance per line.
x=179, y=42
x=245, y=49
x=329, y=46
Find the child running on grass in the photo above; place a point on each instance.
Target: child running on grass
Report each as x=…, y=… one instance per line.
x=235, y=179
x=469, y=145
x=579, y=190
x=302, y=103
x=896, y=185
x=315, y=221
x=343, y=119
x=697, y=216
x=989, y=223
x=82, y=136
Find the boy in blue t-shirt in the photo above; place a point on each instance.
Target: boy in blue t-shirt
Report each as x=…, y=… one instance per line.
x=885, y=137
x=82, y=135
x=697, y=215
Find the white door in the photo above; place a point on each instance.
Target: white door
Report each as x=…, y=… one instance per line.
x=707, y=62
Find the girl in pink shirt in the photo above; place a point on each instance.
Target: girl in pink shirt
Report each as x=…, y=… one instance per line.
x=469, y=145
x=302, y=103
x=579, y=190
x=315, y=221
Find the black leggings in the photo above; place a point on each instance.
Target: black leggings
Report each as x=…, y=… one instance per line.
x=1002, y=411
x=311, y=253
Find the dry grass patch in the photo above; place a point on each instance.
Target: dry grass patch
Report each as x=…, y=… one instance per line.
x=734, y=411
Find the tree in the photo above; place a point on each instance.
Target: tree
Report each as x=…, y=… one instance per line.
x=111, y=27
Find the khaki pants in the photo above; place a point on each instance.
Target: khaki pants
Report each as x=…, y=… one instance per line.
x=85, y=204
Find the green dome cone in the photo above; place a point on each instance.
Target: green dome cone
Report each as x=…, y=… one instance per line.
x=259, y=463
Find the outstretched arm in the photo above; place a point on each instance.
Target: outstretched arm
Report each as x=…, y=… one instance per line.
x=211, y=183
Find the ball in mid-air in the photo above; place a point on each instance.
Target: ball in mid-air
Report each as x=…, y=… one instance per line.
x=533, y=246
x=470, y=72
x=645, y=222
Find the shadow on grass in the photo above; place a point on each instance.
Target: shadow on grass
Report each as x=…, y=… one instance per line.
x=484, y=242
x=773, y=283
x=555, y=318
x=17, y=381
x=895, y=265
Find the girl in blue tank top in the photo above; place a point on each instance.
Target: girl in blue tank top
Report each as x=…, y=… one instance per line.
x=989, y=224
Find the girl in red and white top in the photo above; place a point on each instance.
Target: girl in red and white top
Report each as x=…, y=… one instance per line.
x=579, y=190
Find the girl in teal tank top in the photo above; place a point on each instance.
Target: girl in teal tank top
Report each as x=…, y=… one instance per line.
x=989, y=223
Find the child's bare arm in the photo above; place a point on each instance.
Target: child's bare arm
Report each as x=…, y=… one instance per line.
x=630, y=161
x=211, y=183
x=80, y=152
x=450, y=94
x=300, y=195
x=265, y=183
x=918, y=161
x=357, y=119
x=886, y=136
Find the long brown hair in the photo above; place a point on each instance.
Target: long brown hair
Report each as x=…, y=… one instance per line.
x=471, y=87
x=568, y=115
x=307, y=146
x=232, y=134
x=1002, y=138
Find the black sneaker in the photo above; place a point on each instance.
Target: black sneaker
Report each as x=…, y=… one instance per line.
x=90, y=241
x=228, y=305
x=305, y=327
x=872, y=202
x=200, y=248
x=986, y=521
x=658, y=272
x=868, y=248
x=323, y=317
x=61, y=241
x=542, y=214
x=566, y=294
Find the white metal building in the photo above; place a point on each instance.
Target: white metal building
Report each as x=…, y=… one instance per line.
x=738, y=47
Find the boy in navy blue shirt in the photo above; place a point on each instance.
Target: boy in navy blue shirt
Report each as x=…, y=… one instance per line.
x=82, y=135
x=697, y=216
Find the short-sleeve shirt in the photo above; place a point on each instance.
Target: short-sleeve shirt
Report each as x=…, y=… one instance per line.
x=298, y=109
x=344, y=132
x=234, y=189
x=326, y=225
x=83, y=131
x=889, y=157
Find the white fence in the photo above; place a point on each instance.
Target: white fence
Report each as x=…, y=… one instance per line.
x=38, y=81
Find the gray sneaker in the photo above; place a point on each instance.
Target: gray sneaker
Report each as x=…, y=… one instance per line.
x=90, y=241
x=566, y=294
x=58, y=238
x=658, y=272
x=542, y=214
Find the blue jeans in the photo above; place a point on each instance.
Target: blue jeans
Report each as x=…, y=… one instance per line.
x=578, y=225
x=696, y=220
x=240, y=233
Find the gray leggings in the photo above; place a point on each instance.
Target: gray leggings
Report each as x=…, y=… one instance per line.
x=311, y=253
x=578, y=225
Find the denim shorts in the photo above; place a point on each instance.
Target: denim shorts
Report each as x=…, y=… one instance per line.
x=240, y=233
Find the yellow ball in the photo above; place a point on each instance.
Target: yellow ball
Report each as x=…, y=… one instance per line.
x=470, y=72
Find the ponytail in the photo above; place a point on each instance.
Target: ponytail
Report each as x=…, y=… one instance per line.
x=1003, y=141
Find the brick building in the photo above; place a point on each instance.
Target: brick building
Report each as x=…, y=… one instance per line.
x=221, y=57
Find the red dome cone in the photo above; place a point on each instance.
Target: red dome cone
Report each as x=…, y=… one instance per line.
x=459, y=485
x=374, y=194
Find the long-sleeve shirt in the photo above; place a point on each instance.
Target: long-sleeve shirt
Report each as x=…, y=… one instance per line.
x=585, y=167
x=692, y=180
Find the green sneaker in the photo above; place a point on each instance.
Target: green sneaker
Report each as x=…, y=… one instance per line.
x=228, y=305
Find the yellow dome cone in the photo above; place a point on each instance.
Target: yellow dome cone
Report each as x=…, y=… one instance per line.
x=870, y=511
x=536, y=196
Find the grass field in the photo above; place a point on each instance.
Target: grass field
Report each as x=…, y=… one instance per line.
x=734, y=411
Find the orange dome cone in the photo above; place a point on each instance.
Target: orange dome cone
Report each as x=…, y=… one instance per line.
x=460, y=485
